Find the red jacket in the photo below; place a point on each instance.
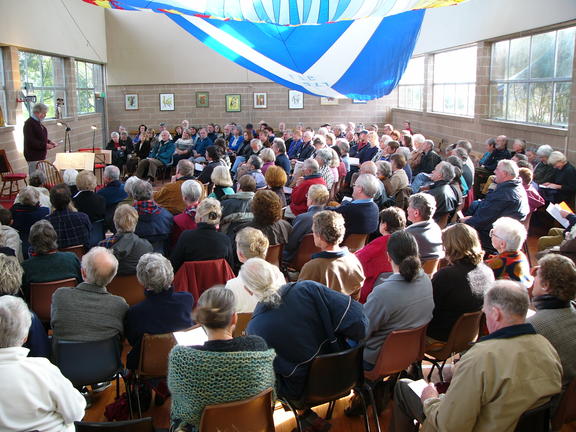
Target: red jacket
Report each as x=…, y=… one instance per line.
x=197, y=276
x=298, y=204
x=374, y=262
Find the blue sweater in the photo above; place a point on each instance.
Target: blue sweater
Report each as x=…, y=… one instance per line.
x=163, y=151
x=283, y=162
x=359, y=217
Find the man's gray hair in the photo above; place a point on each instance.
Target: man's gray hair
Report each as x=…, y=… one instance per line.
x=114, y=134
x=461, y=153
x=155, y=272
x=129, y=184
x=69, y=177
x=280, y=144
x=418, y=138
x=40, y=108
x=37, y=178
x=384, y=168
x=509, y=296
x=262, y=279
x=255, y=161
x=311, y=165
x=369, y=184
x=112, y=172
x=43, y=237
x=447, y=171
x=29, y=196
x=142, y=191
x=509, y=167
x=544, y=150
x=185, y=167
x=556, y=157
x=430, y=143
x=424, y=203
x=511, y=231
x=15, y=321
x=96, y=273
x=343, y=145
x=325, y=155
x=191, y=190
x=11, y=272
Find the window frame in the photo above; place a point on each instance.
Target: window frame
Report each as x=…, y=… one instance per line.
x=402, y=88
x=3, y=101
x=96, y=84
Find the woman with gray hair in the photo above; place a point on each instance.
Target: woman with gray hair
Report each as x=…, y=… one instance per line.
x=162, y=311
x=44, y=255
x=508, y=235
x=27, y=212
x=31, y=383
x=543, y=171
x=563, y=185
x=192, y=193
x=205, y=242
x=324, y=158
x=125, y=244
x=36, y=180
x=86, y=200
x=69, y=178
x=36, y=142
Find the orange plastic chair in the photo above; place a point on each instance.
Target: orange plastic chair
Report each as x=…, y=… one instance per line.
x=430, y=266
x=128, y=287
x=243, y=320
x=274, y=254
x=41, y=296
x=78, y=250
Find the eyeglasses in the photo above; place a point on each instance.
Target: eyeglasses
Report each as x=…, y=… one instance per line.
x=493, y=234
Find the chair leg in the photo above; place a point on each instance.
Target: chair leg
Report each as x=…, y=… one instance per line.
x=365, y=409
x=440, y=369
x=373, y=403
x=330, y=411
x=293, y=409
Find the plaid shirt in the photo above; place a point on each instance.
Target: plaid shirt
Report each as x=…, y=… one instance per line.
x=110, y=241
x=73, y=228
x=149, y=207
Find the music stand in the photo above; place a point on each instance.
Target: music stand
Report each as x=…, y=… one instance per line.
x=67, y=143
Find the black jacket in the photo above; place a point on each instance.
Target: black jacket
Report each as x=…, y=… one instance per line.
x=91, y=203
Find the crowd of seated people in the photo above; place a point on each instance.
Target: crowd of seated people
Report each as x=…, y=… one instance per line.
x=235, y=193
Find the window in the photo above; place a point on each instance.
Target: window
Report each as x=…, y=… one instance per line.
x=88, y=80
x=42, y=76
x=411, y=86
x=531, y=78
x=3, y=113
x=454, y=83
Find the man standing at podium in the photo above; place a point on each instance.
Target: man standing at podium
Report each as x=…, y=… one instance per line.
x=36, y=142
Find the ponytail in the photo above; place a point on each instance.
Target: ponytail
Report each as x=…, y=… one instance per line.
x=410, y=267
x=403, y=250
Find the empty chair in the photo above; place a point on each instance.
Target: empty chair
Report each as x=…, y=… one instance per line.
x=9, y=177
x=138, y=425
x=250, y=415
x=355, y=242
x=127, y=287
x=41, y=296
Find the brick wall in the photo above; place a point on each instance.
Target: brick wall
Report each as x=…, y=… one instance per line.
x=277, y=110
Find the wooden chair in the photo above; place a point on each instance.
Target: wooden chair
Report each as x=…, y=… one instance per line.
x=138, y=425
x=128, y=287
x=443, y=220
x=463, y=333
x=430, y=266
x=526, y=223
x=355, y=242
x=253, y=414
x=53, y=176
x=274, y=254
x=306, y=249
x=9, y=177
x=99, y=160
x=78, y=250
x=566, y=409
x=41, y=296
x=243, y=320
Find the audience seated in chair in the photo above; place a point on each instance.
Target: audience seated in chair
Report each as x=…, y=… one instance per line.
x=334, y=266
x=86, y=200
x=543, y=171
x=113, y=190
x=310, y=176
x=205, y=242
x=214, y=158
x=299, y=321
x=276, y=180
x=559, y=236
x=446, y=195
x=373, y=256
x=535, y=200
x=69, y=177
x=163, y=310
x=562, y=187
x=508, y=236
x=458, y=287
x=126, y=246
x=253, y=168
x=37, y=339
x=191, y=191
x=89, y=312
x=9, y=237
x=316, y=199
x=511, y=367
x=46, y=264
x=244, y=364
x=398, y=179
x=222, y=182
x=36, y=180
x=73, y=228
x=154, y=222
x=170, y=195
x=428, y=235
x=160, y=155
x=31, y=383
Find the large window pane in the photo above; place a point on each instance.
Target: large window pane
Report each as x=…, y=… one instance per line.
x=411, y=85
x=565, y=53
x=519, y=58
x=542, y=57
x=562, y=104
x=414, y=73
x=500, y=60
x=88, y=80
x=540, y=107
x=517, y=102
x=498, y=93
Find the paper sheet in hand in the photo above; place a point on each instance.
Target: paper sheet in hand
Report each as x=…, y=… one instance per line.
x=195, y=336
x=554, y=211
x=418, y=386
x=198, y=167
x=354, y=161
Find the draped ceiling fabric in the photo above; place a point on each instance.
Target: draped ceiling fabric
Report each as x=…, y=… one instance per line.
x=354, y=49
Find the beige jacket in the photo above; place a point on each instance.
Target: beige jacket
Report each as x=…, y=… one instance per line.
x=496, y=381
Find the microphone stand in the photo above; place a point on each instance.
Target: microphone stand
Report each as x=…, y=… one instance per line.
x=67, y=143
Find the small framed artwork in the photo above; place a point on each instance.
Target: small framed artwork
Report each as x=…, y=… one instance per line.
x=233, y=103
x=328, y=101
x=167, y=102
x=131, y=102
x=260, y=100
x=295, y=99
x=202, y=100
x=359, y=101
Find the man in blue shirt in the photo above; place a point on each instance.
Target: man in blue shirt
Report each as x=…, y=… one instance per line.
x=201, y=145
x=281, y=159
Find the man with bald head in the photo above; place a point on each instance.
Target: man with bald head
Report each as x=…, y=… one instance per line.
x=89, y=312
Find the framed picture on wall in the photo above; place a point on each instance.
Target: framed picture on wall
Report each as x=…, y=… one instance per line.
x=202, y=100
x=359, y=101
x=295, y=99
x=233, y=103
x=131, y=102
x=167, y=102
x=260, y=100
x=328, y=101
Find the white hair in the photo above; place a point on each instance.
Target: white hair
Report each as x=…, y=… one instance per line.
x=112, y=172
x=418, y=138
x=114, y=134
x=544, y=150
x=70, y=177
x=40, y=108
x=97, y=274
x=129, y=184
x=262, y=279
x=369, y=184
x=556, y=157
x=15, y=321
x=155, y=272
x=509, y=167
x=312, y=165
x=191, y=190
x=510, y=231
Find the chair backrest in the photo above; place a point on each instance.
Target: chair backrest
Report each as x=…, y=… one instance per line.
x=243, y=320
x=464, y=331
x=197, y=276
x=355, y=242
x=138, y=425
x=85, y=363
x=401, y=197
x=443, y=220
x=566, y=410
x=250, y=415
x=400, y=349
x=53, y=176
x=306, y=249
x=430, y=266
x=154, y=351
x=332, y=376
x=98, y=232
x=128, y=287
x=274, y=254
x=41, y=296
x=535, y=420
x=5, y=167
x=77, y=249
